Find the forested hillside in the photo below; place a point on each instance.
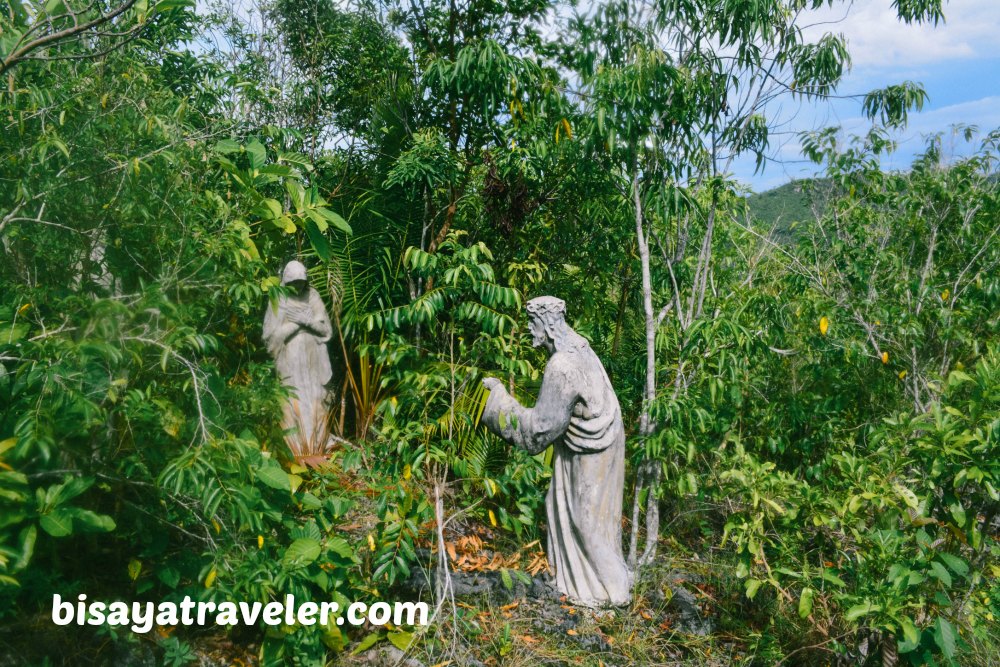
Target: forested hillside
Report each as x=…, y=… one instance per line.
x=790, y=205
x=811, y=410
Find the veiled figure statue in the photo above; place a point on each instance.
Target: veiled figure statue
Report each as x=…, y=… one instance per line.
x=296, y=331
x=578, y=413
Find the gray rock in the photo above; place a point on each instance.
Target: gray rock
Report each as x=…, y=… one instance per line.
x=389, y=656
x=482, y=584
x=690, y=619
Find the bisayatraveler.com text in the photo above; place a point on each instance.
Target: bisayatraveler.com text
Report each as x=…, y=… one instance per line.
x=144, y=616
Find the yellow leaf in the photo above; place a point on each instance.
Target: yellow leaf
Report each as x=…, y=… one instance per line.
x=493, y=519
x=824, y=325
x=407, y=471
x=210, y=579
x=371, y=542
x=23, y=309
x=902, y=374
x=569, y=130
x=944, y=295
x=7, y=444
x=218, y=528
x=885, y=357
x=260, y=541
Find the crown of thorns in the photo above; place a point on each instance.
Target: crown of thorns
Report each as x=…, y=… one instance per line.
x=546, y=305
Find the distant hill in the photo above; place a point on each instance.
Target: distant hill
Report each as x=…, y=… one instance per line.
x=788, y=204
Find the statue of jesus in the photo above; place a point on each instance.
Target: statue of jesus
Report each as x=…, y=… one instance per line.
x=577, y=412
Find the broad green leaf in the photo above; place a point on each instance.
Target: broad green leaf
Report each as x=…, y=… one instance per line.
x=71, y=488
x=833, y=579
x=340, y=546
x=225, y=146
x=91, y=522
x=863, y=609
x=945, y=636
x=28, y=538
x=957, y=513
x=257, y=153
x=298, y=196
x=273, y=476
x=939, y=572
x=57, y=523
x=168, y=5
x=334, y=219
x=271, y=209
x=169, y=576
x=367, y=642
x=301, y=552
x=910, y=632
x=957, y=565
x=298, y=159
x=401, y=640
x=317, y=239
x=333, y=638
x=806, y=602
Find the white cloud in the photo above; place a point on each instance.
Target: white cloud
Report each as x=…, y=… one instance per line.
x=877, y=38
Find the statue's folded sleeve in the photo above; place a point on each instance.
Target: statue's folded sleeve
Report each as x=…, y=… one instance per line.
x=534, y=429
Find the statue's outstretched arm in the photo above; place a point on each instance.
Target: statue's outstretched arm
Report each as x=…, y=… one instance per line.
x=534, y=429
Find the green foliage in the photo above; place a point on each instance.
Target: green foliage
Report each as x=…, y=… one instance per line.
x=825, y=396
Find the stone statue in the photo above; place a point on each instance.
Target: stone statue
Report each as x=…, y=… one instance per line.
x=578, y=413
x=296, y=331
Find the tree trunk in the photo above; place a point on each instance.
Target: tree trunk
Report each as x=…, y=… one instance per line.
x=647, y=476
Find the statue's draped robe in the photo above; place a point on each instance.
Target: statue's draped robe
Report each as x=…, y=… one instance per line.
x=578, y=413
x=296, y=332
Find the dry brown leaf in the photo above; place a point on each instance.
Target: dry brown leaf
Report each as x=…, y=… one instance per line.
x=512, y=605
x=571, y=632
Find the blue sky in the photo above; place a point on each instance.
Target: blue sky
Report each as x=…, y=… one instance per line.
x=958, y=62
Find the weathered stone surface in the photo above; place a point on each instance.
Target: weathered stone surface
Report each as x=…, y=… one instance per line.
x=577, y=413
x=296, y=331
x=690, y=619
x=421, y=584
